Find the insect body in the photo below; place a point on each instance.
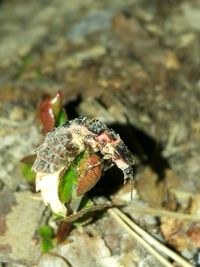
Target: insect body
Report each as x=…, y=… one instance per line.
x=64, y=143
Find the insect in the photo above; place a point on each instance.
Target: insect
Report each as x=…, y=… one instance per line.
x=64, y=143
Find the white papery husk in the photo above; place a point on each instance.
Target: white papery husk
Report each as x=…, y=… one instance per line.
x=48, y=185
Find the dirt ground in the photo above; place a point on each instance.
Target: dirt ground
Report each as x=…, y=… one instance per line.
x=135, y=66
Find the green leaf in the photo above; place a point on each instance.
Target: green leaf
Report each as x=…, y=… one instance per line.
x=61, y=118
x=56, y=104
x=26, y=168
x=86, y=203
x=28, y=173
x=46, y=234
x=68, y=182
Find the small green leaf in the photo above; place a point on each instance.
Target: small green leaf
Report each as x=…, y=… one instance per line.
x=86, y=203
x=56, y=104
x=26, y=168
x=68, y=182
x=61, y=118
x=28, y=173
x=46, y=234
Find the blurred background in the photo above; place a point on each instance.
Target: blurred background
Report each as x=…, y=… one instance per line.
x=135, y=66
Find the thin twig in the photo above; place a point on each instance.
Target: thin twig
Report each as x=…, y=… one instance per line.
x=151, y=240
x=162, y=213
x=148, y=247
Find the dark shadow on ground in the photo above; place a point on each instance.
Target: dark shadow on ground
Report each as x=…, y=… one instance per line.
x=71, y=107
x=144, y=147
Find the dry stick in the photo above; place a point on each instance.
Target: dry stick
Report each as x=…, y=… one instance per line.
x=152, y=211
x=166, y=213
x=148, y=247
x=151, y=240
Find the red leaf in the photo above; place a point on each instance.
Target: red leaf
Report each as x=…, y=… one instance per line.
x=46, y=115
x=89, y=173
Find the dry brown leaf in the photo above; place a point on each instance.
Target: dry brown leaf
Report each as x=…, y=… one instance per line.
x=194, y=234
x=149, y=189
x=173, y=232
